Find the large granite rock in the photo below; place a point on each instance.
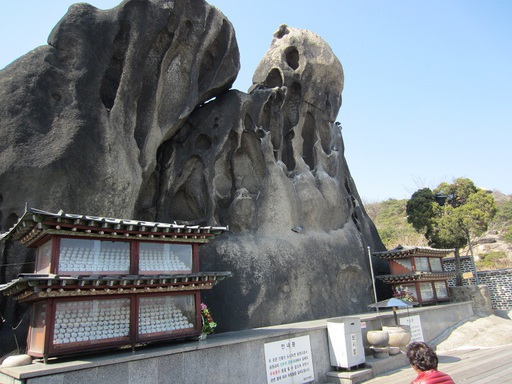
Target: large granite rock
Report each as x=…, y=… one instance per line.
x=128, y=113
x=270, y=164
x=83, y=118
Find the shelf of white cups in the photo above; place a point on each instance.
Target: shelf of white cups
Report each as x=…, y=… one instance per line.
x=157, y=316
x=84, y=321
x=84, y=259
x=389, y=340
x=155, y=261
x=75, y=260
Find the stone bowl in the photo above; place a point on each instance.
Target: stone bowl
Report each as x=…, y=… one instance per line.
x=399, y=336
x=377, y=338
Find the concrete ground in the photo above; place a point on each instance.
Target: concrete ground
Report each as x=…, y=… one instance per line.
x=489, y=365
x=476, y=351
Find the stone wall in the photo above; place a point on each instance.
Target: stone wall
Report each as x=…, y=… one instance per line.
x=498, y=282
x=232, y=357
x=466, y=265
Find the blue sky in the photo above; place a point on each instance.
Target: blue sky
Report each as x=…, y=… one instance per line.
x=428, y=84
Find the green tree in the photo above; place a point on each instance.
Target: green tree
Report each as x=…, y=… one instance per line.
x=458, y=192
x=446, y=230
x=478, y=211
x=451, y=214
x=420, y=209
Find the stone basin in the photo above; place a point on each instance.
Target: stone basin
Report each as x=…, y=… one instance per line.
x=399, y=336
x=377, y=338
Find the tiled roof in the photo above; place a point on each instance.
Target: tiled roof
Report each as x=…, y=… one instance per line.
x=35, y=223
x=404, y=252
x=418, y=276
x=32, y=286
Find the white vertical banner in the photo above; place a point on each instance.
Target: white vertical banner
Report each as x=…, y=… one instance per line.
x=289, y=361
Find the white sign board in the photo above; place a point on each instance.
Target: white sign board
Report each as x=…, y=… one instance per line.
x=415, y=323
x=289, y=361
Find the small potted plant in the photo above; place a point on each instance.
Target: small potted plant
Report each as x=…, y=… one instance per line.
x=208, y=325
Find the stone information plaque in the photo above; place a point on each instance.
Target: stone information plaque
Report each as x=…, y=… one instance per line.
x=415, y=323
x=289, y=361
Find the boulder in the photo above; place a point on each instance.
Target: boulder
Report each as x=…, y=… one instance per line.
x=128, y=113
x=83, y=118
x=270, y=164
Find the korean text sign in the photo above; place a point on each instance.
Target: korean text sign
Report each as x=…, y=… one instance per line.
x=289, y=361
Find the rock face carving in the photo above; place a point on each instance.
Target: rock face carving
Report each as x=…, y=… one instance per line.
x=114, y=118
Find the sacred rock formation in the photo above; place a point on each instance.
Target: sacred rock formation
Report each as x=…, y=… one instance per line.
x=128, y=113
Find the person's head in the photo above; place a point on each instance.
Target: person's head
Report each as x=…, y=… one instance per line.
x=421, y=356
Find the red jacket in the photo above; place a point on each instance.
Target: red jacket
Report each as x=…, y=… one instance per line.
x=433, y=377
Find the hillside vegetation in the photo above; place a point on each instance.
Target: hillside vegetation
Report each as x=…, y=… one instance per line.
x=492, y=250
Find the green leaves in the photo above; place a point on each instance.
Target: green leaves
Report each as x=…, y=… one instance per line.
x=458, y=192
x=449, y=214
x=478, y=212
x=421, y=209
x=447, y=229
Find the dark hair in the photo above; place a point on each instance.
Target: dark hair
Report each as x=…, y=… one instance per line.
x=421, y=356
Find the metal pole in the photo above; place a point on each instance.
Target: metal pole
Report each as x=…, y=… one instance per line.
x=373, y=284
x=373, y=277
x=472, y=257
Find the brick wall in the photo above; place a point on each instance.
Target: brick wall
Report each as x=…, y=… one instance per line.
x=499, y=282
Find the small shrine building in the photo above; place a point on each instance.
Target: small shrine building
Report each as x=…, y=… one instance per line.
x=417, y=272
x=102, y=283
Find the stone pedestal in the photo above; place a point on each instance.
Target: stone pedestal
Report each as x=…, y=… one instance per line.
x=352, y=377
x=380, y=352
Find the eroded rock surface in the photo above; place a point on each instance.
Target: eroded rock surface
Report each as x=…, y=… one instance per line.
x=83, y=118
x=270, y=164
x=116, y=118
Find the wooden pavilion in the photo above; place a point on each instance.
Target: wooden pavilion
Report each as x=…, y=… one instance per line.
x=101, y=283
x=417, y=272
